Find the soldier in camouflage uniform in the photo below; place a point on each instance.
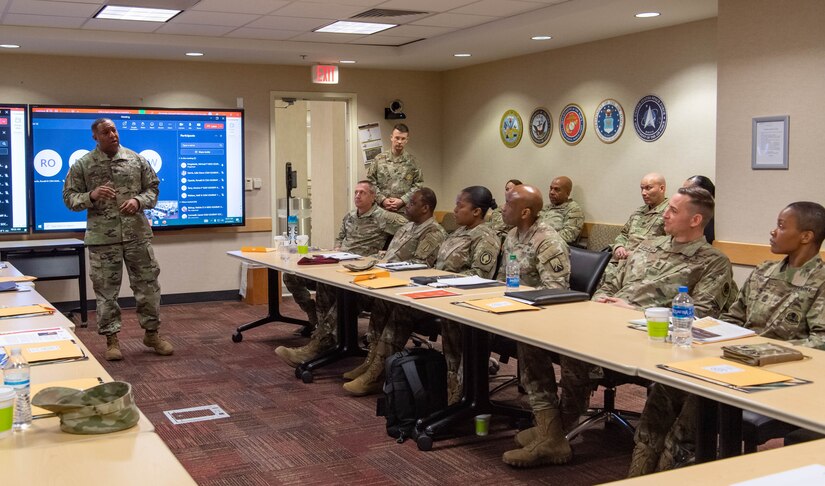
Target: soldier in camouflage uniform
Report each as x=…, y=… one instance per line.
x=364, y=231
x=496, y=222
x=544, y=263
x=780, y=300
x=472, y=249
x=417, y=242
x=114, y=185
x=395, y=174
x=646, y=222
x=562, y=213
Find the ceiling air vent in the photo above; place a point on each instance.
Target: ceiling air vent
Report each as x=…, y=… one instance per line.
x=383, y=13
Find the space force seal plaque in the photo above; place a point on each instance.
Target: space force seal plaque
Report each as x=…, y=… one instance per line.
x=650, y=118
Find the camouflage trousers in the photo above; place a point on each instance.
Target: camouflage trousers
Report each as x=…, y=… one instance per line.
x=326, y=305
x=106, y=272
x=451, y=344
x=299, y=288
x=539, y=379
x=667, y=428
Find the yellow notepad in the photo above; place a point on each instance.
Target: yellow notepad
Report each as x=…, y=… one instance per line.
x=48, y=351
x=499, y=305
x=730, y=372
x=381, y=282
x=26, y=310
x=19, y=278
x=77, y=384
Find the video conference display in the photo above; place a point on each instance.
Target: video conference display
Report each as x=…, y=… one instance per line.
x=14, y=214
x=197, y=155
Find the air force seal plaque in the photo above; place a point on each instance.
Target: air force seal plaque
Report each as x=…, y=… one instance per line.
x=511, y=128
x=650, y=118
x=609, y=121
x=541, y=127
x=572, y=124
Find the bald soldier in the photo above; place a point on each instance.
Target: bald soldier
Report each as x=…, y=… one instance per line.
x=780, y=300
x=562, y=213
x=544, y=263
x=646, y=221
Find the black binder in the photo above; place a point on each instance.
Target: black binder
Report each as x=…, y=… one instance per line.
x=549, y=296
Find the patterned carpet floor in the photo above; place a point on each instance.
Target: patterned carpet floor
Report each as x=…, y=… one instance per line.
x=282, y=431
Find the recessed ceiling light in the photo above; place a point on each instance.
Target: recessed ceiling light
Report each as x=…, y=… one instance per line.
x=462, y=54
x=645, y=15
x=9, y=46
x=115, y=12
x=346, y=61
x=346, y=27
x=541, y=37
x=194, y=54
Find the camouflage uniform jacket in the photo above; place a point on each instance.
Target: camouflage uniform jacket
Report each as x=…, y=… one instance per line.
x=779, y=305
x=417, y=243
x=366, y=234
x=542, y=255
x=394, y=176
x=567, y=218
x=470, y=252
x=131, y=176
x=653, y=273
x=645, y=222
x=496, y=222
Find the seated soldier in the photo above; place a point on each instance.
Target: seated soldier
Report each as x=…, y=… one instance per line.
x=496, y=222
x=472, y=249
x=780, y=300
x=562, y=213
x=364, y=231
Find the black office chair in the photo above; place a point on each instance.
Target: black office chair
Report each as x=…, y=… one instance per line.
x=758, y=429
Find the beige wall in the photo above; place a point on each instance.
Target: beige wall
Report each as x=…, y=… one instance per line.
x=771, y=62
x=195, y=263
x=678, y=64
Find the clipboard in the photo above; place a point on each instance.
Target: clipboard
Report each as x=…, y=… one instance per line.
x=77, y=384
x=49, y=352
x=497, y=305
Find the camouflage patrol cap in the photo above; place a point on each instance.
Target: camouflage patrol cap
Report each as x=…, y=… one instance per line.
x=108, y=407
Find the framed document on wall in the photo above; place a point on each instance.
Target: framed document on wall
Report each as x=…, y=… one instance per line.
x=769, y=148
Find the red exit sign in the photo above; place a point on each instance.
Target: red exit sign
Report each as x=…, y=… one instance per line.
x=324, y=74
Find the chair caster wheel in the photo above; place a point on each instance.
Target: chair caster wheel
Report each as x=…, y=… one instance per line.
x=306, y=376
x=237, y=337
x=424, y=442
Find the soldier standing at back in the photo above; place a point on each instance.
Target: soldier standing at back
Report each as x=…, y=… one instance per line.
x=395, y=174
x=114, y=185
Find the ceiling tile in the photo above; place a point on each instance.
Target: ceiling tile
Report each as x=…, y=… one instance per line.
x=327, y=37
x=43, y=21
x=319, y=10
x=39, y=7
x=194, y=29
x=269, y=34
x=384, y=40
x=498, y=8
x=454, y=20
x=214, y=18
x=426, y=5
x=417, y=31
x=121, y=25
x=260, y=7
x=287, y=23
x=361, y=3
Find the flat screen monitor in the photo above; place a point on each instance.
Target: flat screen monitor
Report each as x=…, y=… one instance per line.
x=198, y=155
x=14, y=212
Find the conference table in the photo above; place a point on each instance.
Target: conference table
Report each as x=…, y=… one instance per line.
x=43, y=454
x=599, y=334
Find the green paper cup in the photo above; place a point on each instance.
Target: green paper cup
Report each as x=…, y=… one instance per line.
x=483, y=424
x=7, y=396
x=658, y=319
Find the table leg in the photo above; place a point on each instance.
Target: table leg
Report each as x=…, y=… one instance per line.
x=476, y=399
x=730, y=431
x=84, y=304
x=706, y=430
x=274, y=305
x=347, y=342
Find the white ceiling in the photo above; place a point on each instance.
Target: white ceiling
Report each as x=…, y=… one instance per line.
x=280, y=31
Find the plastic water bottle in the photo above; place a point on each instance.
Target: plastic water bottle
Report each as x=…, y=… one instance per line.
x=513, y=272
x=292, y=228
x=16, y=376
x=682, y=319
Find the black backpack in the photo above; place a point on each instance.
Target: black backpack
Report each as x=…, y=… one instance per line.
x=415, y=387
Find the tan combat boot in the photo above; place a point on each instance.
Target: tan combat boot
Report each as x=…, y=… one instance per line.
x=549, y=447
x=161, y=346
x=372, y=380
x=526, y=436
x=113, y=348
x=295, y=356
x=363, y=367
x=643, y=461
x=454, y=388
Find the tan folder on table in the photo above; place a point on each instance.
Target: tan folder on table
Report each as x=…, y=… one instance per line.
x=19, y=278
x=730, y=372
x=26, y=310
x=49, y=351
x=381, y=282
x=499, y=305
